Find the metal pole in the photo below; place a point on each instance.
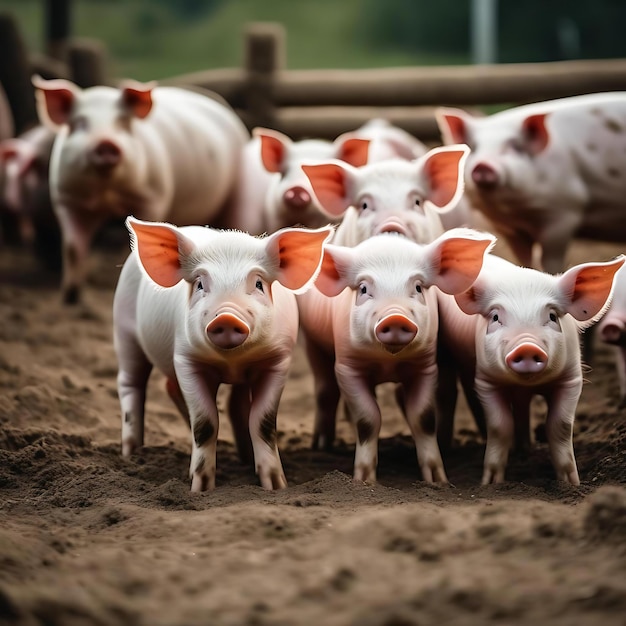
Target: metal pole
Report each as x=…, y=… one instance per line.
x=484, y=31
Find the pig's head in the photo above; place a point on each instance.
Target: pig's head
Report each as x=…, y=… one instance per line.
x=530, y=320
x=98, y=126
x=393, y=307
x=391, y=196
x=229, y=276
x=504, y=147
x=290, y=197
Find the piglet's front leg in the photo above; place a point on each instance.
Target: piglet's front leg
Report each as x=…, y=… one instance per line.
x=500, y=430
x=200, y=392
x=421, y=418
x=266, y=393
x=365, y=416
x=559, y=426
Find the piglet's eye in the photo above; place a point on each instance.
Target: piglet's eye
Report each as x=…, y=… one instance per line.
x=495, y=317
x=364, y=206
x=553, y=317
x=418, y=202
x=418, y=288
x=199, y=286
x=259, y=285
x=362, y=290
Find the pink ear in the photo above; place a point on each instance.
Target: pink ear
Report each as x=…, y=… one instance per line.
x=452, y=125
x=137, y=97
x=354, y=151
x=443, y=168
x=536, y=136
x=329, y=182
x=273, y=149
x=299, y=254
x=588, y=287
x=470, y=301
x=333, y=276
x=55, y=99
x=457, y=260
x=158, y=248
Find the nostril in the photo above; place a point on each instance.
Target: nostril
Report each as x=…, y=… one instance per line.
x=484, y=175
x=106, y=153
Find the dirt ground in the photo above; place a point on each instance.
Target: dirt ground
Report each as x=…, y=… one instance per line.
x=87, y=537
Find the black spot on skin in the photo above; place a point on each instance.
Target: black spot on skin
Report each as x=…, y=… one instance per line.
x=428, y=422
x=613, y=172
x=563, y=431
x=202, y=432
x=128, y=418
x=364, y=429
x=267, y=429
x=613, y=126
x=71, y=295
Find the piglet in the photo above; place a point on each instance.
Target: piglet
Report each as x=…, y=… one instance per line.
x=160, y=153
x=374, y=317
x=612, y=330
x=395, y=195
x=208, y=307
x=522, y=337
x=26, y=191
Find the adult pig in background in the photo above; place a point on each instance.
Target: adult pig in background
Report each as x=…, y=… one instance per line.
x=278, y=194
x=518, y=329
x=208, y=307
x=159, y=153
x=374, y=315
x=406, y=197
x=544, y=173
x=612, y=330
x=26, y=191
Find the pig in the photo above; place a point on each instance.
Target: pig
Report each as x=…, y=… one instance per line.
x=518, y=329
x=394, y=195
x=372, y=318
x=612, y=330
x=26, y=191
x=272, y=164
x=159, y=153
x=547, y=172
x=207, y=307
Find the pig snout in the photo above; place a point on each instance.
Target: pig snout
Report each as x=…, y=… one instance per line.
x=297, y=197
x=612, y=331
x=485, y=176
x=395, y=332
x=527, y=358
x=106, y=155
x=227, y=331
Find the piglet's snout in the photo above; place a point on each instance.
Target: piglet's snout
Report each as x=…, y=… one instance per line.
x=527, y=358
x=106, y=154
x=297, y=197
x=485, y=176
x=612, y=332
x=227, y=331
x=395, y=332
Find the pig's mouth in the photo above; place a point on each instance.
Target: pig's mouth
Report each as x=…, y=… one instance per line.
x=393, y=227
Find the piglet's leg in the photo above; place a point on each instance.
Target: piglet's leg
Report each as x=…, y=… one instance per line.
x=77, y=231
x=499, y=432
x=239, y=413
x=365, y=415
x=200, y=395
x=266, y=392
x=559, y=427
x=620, y=364
x=420, y=416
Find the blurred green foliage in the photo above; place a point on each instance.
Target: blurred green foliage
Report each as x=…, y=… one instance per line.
x=150, y=39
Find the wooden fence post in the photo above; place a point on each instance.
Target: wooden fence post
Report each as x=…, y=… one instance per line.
x=15, y=73
x=264, y=58
x=87, y=61
x=57, y=20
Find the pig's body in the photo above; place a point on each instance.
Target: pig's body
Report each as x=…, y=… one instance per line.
x=226, y=322
x=373, y=319
x=159, y=153
x=544, y=173
x=393, y=195
x=27, y=193
x=517, y=330
x=612, y=330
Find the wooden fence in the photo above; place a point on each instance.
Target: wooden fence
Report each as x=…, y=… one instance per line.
x=325, y=103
